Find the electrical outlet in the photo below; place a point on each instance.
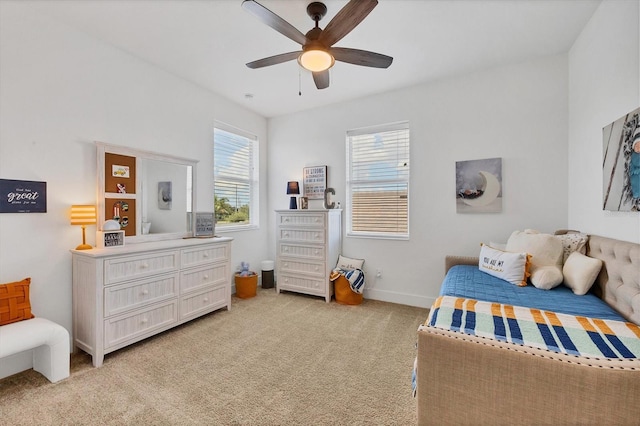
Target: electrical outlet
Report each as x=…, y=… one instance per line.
x=378, y=273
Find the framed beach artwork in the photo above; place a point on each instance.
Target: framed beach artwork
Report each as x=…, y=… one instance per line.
x=479, y=186
x=621, y=164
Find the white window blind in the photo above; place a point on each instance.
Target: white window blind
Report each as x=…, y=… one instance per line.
x=235, y=179
x=378, y=181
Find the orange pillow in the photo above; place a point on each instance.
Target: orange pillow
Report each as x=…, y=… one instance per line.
x=14, y=302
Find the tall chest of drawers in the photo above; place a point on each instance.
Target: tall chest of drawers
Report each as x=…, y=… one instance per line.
x=308, y=245
x=126, y=294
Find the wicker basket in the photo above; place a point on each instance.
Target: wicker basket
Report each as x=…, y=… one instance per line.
x=344, y=294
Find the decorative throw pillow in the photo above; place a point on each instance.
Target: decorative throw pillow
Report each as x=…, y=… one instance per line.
x=14, y=302
x=511, y=267
x=580, y=272
x=546, y=256
x=349, y=263
x=573, y=242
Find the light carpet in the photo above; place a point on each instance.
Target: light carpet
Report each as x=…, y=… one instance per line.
x=284, y=359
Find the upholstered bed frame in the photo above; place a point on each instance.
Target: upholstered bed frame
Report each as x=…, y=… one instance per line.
x=463, y=379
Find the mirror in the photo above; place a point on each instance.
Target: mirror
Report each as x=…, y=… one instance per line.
x=151, y=195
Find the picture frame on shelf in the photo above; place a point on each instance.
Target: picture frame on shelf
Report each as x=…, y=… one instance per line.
x=205, y=224
x=314, y=182
x=107, y=239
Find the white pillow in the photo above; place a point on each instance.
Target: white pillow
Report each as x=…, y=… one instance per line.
x=573, y=242
x=349, y=263
x=511, y=267
x=580, y=272
x=546, y=256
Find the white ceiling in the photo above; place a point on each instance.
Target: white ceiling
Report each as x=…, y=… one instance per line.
x=208, y=42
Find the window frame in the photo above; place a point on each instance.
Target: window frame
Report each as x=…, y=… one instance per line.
x=349, y=184
x=253, y=181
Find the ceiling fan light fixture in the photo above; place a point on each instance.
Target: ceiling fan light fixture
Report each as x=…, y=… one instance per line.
x=316, y=60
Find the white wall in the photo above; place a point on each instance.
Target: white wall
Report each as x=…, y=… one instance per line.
x=60, y=91
x=604, y=76
x=516, y=112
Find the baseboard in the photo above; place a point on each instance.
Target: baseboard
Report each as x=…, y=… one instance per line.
x=400, y=298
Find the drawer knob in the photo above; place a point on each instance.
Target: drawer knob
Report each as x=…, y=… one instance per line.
x=286, y=219
x=286, y=280
x=317, y=220
x=316, y=235
x=286, y=250
x=286, y=265
x=205, y=300
x=205, y=255
x=145, y=292
x=144, y=266
x=317, y=269
x=206, y=277
x=316, y=252
x=144, y=321
x=286, y=235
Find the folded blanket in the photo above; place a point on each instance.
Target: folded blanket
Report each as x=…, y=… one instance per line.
x=354, y=276
x=563, y=333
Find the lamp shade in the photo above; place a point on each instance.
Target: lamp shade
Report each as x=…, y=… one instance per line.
x=83, y=215
x=293, y=187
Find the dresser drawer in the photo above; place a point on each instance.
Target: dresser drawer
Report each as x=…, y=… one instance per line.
x=204, y=255
x=308, y=220
x=128, y=327
x=196, y=303
x=126, y=268
x=194, y=279
x=315, y=236
x=124, y=297
x=301, y=250
x=297, y=266
x=302, y=284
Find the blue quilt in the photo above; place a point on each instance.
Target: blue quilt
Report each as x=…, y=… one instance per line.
x=469, y=282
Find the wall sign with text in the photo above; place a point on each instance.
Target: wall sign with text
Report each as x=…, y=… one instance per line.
x=314, y=182
x=23, y=196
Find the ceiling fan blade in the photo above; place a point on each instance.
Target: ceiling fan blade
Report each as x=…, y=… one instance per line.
x=321, y=79
x=361, y=57
x=273, y=60
x=346, y=20
x=274, y=21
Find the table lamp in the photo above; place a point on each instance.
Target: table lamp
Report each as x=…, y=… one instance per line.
x=83, y=215
x=293, y=188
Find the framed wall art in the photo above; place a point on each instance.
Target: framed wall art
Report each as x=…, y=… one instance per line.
x=314, y=182
x=107, y=239
x=23, y=196
x=621, y=164
x=205, y=224
x=479, y=186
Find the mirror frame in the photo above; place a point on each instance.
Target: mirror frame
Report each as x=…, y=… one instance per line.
x=140, y=155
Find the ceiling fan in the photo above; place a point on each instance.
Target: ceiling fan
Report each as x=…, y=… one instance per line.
x=318, y=54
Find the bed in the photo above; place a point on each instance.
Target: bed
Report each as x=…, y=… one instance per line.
x=466, y=376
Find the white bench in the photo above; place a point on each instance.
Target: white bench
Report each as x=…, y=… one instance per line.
x=49, y=341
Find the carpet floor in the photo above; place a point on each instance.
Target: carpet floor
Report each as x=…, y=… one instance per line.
x=284, y=359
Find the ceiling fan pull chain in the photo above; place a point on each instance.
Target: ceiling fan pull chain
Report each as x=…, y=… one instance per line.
x=299, y=82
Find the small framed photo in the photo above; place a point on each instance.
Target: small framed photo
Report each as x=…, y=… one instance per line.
x=304, y=203
x=205, y=224
x=107, y=239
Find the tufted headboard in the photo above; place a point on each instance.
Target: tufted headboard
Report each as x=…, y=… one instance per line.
x=618, y=283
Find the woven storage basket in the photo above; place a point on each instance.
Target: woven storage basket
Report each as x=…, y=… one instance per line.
x=344, y=294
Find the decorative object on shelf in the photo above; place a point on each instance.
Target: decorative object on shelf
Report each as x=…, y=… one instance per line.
x=164, y=195
x=326, y=203
x=83, y=215
x=111, y=225
x=205, y=224
x=479, y=186
x=621, y=164
x=304, y=203
x=23, y=196
x=314, y=182
x=110, y=239
x=293, y=188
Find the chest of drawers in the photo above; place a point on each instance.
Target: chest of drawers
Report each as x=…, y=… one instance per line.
x=126, y=294
x=308, y=244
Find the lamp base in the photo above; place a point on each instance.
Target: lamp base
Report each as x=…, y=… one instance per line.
x=293, y=204
x=84, y=247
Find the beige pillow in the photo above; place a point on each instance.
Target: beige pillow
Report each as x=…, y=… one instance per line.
x=575, y=241
x=546, y=256
x=345, y=262
x=580, y=272
x=511, y=267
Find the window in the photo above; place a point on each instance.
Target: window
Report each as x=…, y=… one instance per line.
x=378, y=181
x=235, y=155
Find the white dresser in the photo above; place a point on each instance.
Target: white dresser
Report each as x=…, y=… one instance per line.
x=126, y=294
x=308, y=245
